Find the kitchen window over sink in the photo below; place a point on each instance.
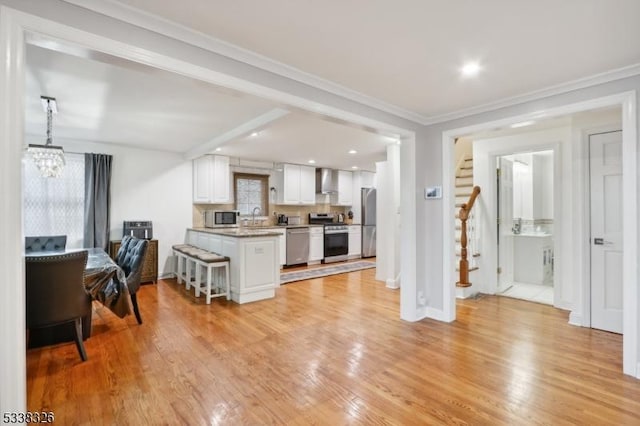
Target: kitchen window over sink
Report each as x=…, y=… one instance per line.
x=250, y=191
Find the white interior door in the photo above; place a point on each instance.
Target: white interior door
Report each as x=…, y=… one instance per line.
x=605, y=166
x=505, y=224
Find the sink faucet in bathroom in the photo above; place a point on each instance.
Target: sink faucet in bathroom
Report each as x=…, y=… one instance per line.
x=253, y=215
x=517, y=225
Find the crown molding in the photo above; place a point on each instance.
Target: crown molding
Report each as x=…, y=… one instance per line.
x=151, y=22
x=558, y=89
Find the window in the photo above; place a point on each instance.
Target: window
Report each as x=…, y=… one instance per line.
x=250, y=191
x=55, y=206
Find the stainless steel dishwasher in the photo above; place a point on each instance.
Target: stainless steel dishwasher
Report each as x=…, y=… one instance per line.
x=297, y=245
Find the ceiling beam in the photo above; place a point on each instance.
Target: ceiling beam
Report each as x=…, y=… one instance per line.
x=244, y=129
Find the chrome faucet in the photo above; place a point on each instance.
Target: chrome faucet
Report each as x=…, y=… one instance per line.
x=253, y=215
x=517, y=225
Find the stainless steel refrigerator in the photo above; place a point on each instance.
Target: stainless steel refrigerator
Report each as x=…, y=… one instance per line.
x=368, y=212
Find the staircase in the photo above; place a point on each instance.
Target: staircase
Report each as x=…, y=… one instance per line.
x=463, y=190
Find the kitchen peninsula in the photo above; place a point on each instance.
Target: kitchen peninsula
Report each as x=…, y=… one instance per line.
x=254, y=259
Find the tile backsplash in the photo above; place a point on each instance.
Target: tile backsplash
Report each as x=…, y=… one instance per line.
x=302, y=211
x=529, y=226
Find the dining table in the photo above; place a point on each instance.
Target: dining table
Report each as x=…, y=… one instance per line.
x=104, y=280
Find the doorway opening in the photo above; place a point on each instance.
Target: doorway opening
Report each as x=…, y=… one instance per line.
x=524, y=193
x=572, y=244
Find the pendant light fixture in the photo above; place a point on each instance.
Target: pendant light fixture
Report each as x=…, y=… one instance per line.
x=49, y=159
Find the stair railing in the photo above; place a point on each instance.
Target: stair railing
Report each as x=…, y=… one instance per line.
x=463, y=214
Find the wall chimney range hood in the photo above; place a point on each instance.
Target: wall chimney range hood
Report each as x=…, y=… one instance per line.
x=324, y=181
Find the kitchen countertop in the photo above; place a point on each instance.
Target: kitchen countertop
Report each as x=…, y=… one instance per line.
x=238, y=232
x=302, y=225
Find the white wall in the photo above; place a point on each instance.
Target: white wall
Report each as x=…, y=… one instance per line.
x=147, y=185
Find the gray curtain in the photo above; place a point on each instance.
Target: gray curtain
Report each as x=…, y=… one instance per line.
x=97, y=200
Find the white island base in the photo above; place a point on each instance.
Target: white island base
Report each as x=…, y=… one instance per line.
x=254, y=260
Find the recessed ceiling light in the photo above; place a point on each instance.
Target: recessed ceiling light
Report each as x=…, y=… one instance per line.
x=354, y=167
x=353, y=151
x=218, y=149
x=312, y=161
x=522, y=124
x=470, y=69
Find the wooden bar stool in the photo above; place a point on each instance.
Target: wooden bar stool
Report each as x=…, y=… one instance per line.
x=214, y=264
x=183, y=271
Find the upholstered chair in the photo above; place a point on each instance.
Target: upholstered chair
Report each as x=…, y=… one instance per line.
x=55, y=292
x=45, y=243
x=130, y=258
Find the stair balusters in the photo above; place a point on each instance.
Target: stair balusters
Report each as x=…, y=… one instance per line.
x=464, y=216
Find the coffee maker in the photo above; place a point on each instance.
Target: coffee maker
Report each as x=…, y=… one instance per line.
x=282, y=219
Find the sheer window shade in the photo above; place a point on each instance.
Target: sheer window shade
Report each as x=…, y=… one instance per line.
x=55, y=206
x=251, y=192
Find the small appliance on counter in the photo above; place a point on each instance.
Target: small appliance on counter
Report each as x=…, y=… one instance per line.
x=138, y=229
x=283, y=220
x=294, y=220
x=216, y=218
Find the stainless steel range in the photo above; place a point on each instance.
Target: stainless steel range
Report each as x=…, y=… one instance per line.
x=336, y=236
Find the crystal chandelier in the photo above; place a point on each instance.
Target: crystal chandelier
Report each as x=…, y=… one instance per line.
x=49, y=159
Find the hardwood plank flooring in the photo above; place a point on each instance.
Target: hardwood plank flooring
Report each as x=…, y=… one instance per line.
x=333, y=351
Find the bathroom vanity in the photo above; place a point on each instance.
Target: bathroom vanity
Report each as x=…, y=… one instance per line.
x=533, y=258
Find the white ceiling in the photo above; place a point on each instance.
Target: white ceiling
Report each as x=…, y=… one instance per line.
x=105, y=99
x=408, y=52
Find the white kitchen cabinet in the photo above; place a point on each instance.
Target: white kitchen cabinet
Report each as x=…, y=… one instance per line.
x=343, y=184
x=295, y=184
x=282, y=244
x=355, y=241
x=211, y=179
x=316, y=244
x=253, y=267
x=307, y=185
x=368, y=179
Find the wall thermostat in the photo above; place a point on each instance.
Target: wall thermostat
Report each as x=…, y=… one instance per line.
x=432, y=192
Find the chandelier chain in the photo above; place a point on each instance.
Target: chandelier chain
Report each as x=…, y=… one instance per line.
x=49, y=122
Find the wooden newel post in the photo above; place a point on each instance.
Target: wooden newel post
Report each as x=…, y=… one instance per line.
x=464, y=216
x=464, y=263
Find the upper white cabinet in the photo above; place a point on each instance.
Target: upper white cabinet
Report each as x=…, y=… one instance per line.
x=211, y=179
x=295, y=184
x=367, y=179
x=343, y=185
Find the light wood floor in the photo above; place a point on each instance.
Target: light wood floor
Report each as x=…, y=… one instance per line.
x=333, y=351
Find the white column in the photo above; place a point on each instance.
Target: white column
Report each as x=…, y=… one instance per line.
x=388, y=218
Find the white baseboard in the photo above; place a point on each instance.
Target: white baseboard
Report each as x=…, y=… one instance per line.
x=437, y=314
x=466, y=292
x=575, y=319
x=394, y=284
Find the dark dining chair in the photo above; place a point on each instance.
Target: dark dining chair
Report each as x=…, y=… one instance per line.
x=45, y=243
x=130, y=258
x=55, y=293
